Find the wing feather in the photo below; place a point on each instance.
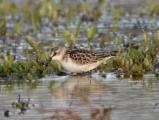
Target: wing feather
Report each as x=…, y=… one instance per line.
x=81, y=56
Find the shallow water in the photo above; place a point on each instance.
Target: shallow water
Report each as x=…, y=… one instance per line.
x=82, y=97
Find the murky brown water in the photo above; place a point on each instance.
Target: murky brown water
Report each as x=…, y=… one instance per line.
x=83, y=98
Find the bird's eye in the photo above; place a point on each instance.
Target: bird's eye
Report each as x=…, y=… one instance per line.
x=54, y=53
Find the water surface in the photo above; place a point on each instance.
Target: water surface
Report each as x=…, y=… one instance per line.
x=83, y=98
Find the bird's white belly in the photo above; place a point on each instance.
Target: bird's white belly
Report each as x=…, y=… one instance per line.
x=71, y=66
x=76, y=68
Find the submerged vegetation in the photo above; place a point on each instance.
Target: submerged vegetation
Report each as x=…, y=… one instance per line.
x=31, y=29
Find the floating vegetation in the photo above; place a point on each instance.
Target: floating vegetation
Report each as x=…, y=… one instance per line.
x=22, y=105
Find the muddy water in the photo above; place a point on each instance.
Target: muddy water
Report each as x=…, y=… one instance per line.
x=82, y=98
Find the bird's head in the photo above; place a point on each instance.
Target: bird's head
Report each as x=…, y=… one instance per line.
x=57, y=53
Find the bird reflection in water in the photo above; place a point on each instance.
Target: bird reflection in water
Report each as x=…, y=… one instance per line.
x=77, y=92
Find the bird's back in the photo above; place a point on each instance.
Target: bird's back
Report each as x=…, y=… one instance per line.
x=82, y=56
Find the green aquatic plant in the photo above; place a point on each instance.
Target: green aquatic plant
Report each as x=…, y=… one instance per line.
x=40, y=52
x=147, y=64
x=24, y=68
x=140, y=58
x=104, y=39
x=157, y=37
x=34, y=67
x=22, y=105
x=3, y=28
x=135, y=55
x=125, y=65
x=71, y=38
x=18, y=27
x=77, y=29
x=71, y=11
x=132, y=62
x=135, y=61
x=31, y=14
x=118, y=40
x=101, y=2
x=41, y=60
x=154, y=8
x=92, y=13
x=117, y=12
x=156, y=42
x=50, y=10
x=8, y=66
x=90, y=33
x=137, y=71
x=86, y=8
x=8, y=7
x=47, y=6
x=140, y=11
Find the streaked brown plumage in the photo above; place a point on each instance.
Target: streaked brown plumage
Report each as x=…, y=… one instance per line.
x=82, y=56
x=79, y=60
